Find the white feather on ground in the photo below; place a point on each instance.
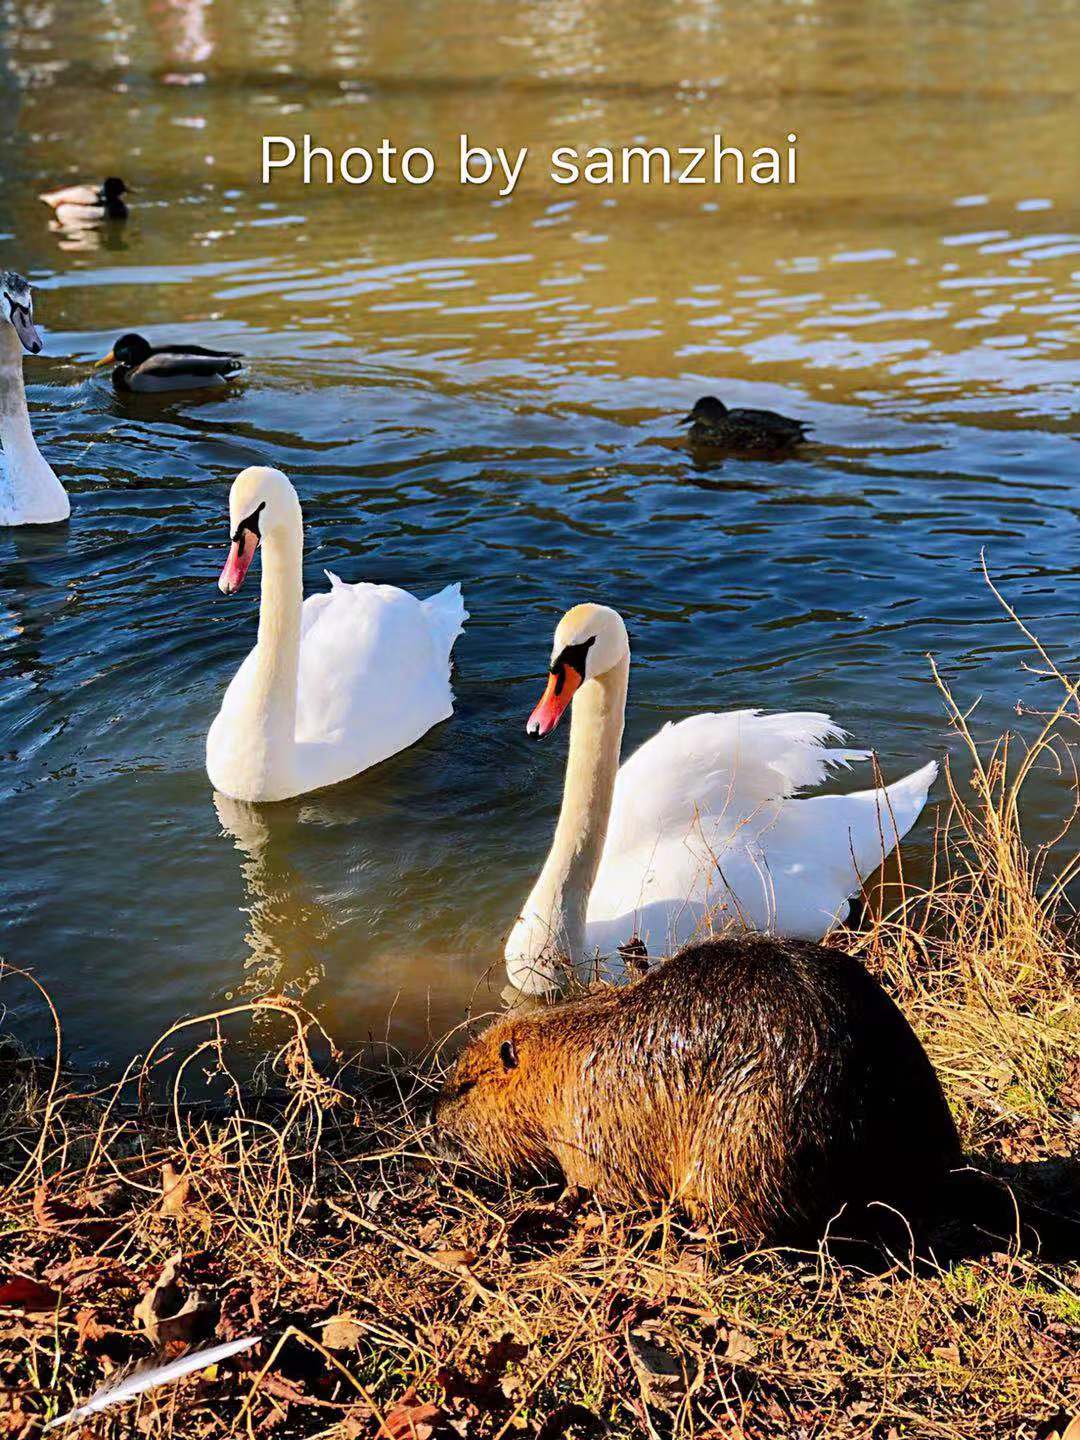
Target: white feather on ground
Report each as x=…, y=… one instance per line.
x=143, y=1380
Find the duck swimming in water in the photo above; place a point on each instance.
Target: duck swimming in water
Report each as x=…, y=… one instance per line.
x=79, y=206
x=148, y=368
x=712, y=423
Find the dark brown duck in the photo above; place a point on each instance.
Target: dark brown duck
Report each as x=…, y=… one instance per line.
x=763, y=1084
x=712, y=423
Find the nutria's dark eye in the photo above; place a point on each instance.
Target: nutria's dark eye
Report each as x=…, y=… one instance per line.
x=508, y=1055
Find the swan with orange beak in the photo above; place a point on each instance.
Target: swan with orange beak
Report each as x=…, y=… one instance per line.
x=311, y=705
x=703, y=828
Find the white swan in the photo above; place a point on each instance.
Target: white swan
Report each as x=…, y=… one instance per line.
x=700, y=828
x=336, y=682
x=30, y=493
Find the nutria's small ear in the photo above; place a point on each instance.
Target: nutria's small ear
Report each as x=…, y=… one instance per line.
x=508, y=1055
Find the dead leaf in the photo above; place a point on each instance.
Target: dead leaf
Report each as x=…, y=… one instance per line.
x=491, y=1388
x=659, y=1371
x=56, y=1214
x=175, y=1190
x=456, y=1259
x=429, y=1232
x=947, y=1354
x=22, y=1293
x=52, y=1214
x=166, y=1316
x=410, y=1420
x=75, y=1274
x=740, y=1349
x=341, y=1333
x=88, y=1329
x=538, y=1229
x=15, y=1421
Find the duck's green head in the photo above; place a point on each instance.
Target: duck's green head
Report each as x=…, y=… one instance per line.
x=131, y=350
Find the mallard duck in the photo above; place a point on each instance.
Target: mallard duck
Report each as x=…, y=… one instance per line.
x=82, y=205
x=712, y=423
x=147, y=368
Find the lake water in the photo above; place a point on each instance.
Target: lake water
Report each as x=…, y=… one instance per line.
x=483, y=390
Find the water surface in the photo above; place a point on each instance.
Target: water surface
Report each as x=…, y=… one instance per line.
x=479, y=390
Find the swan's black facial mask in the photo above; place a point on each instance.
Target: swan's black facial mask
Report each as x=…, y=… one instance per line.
x=566, y=676
x=22, y=319
x=245, y=541
x=251, y=525
x=572, y=657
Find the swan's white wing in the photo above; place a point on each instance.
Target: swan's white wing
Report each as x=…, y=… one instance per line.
x=374, y=676
x=374, y=671
x=716, y=835
x=728, y=764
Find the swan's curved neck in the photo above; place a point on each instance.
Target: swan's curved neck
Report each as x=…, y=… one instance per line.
x=560, y=897
x=15, y=434
x=270, y=722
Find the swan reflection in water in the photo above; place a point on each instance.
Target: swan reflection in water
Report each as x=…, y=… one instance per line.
x=287, y=928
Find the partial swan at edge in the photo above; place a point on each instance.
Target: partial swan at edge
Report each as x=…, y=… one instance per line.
x=30, y=493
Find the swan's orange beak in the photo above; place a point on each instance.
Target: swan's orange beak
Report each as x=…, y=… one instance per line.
x=562, y=683
x=241, y=554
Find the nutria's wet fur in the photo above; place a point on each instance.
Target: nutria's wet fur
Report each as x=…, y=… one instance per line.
x=763, y=1084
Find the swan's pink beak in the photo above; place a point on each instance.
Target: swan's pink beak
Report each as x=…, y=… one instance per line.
x=562, y=683
x=241, y=554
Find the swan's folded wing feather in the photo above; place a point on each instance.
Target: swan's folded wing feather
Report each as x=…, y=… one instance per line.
x=446, y=615
x=369, y=666
x=791, y=869
x=729, y=764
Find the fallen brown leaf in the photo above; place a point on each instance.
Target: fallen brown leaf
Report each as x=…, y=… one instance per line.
x=51, y=1214
x=175, y=1190
x=88, y=1329
x=55, y=1214
x=457, y=1259
x=740, y=1349
x=411, y=1420
x=166, y=1316
x=659, y=1371
x=571, y=1419
x=341, y=1333
x=22, y=1293
x=538, y=1229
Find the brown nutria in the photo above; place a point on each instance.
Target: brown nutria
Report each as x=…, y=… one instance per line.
x=764, y=1084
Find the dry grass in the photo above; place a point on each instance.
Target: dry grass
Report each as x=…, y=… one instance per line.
x=398, y=1295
